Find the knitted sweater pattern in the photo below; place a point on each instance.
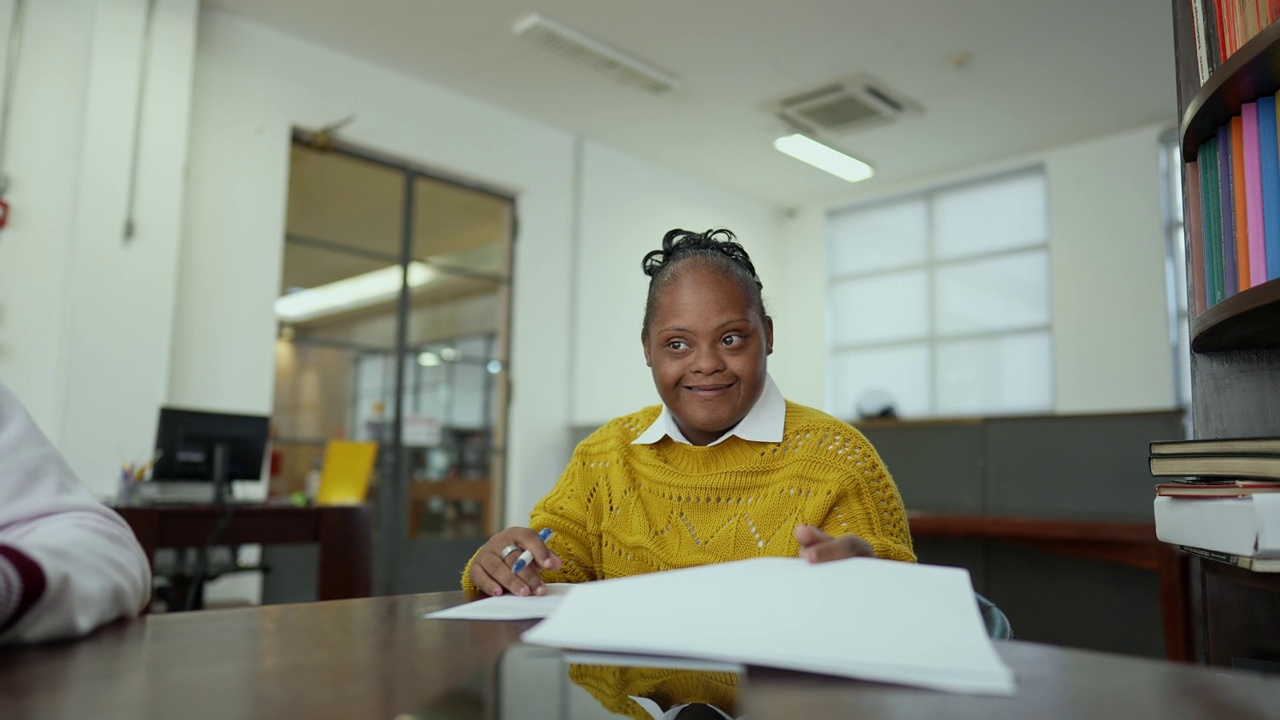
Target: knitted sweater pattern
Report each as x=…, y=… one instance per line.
x=621, y=509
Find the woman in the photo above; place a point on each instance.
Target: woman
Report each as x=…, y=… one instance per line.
x=725, y=469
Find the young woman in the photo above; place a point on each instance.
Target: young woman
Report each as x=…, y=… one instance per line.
x=725, y=469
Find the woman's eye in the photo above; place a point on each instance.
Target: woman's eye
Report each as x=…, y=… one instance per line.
x=731, y=340
x=677, y=345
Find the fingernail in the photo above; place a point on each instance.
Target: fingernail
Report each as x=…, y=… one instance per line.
x=497, y=592
x=524, y=592
x=540, y=591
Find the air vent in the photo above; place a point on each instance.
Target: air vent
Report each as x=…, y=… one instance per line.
x=594, y=54
x=854, y=103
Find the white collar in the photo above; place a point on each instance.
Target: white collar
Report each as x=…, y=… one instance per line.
x=655, y=709
x=763, y=422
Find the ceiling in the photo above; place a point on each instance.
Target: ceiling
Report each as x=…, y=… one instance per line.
x=1039, y=73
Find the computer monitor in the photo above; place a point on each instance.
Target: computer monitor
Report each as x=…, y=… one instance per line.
x=186, y=441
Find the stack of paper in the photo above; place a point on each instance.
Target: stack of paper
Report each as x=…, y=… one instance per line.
x=861, y=618
x=1246, y=527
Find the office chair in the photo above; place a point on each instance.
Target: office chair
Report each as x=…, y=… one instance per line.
x=997, y=624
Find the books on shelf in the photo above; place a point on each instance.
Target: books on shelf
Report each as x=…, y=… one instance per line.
x=1217, y=446
x=1248, y=563
x=1245, y=527
x=1237, y=466
x=1223, y=26
x=1233, y=204
x=1227, y=489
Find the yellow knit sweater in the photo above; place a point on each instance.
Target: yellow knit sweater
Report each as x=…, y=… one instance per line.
x=623, y=509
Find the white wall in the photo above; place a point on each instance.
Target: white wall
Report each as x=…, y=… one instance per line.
x=627, y=205
x=252, y=86
x=85, y=315
x=1107, y=249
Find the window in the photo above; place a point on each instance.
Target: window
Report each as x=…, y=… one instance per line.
x=940, y=303
x=1176, y=268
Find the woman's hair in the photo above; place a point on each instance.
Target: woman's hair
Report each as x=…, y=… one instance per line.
x=716, y=249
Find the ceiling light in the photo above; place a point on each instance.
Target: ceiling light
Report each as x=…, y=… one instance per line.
x=428, y=359
x=806, y=149
x=493, y=366
x=449, y=354
x=351, y=293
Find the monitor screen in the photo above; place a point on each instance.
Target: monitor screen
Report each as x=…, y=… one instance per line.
x=186, y=439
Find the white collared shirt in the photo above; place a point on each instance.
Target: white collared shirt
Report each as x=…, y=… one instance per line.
x=763, y=422
x=655, y=709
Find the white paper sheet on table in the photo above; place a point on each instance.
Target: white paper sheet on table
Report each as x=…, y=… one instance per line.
x=863, y=618
x=507, y=607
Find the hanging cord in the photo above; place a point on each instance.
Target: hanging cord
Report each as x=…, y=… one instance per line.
x=10, y=74
x=131, y=203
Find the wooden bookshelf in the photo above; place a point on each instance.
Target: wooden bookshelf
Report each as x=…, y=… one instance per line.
x=1249, y=319
x=1235, y=344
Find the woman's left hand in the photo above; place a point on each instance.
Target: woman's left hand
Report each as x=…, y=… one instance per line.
x=817, y=546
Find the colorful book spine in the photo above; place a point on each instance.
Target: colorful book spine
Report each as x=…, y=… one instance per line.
x=1226, y=202
x=1240, y=209
x=1257, y=265
x=1195, y=231
x=1210, y=191
x=1269, y=155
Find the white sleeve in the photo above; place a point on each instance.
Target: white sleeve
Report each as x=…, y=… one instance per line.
x=94, y=569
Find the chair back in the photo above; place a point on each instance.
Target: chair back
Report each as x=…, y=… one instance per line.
x=997, y=624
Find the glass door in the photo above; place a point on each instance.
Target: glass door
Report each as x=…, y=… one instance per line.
x=394, y=316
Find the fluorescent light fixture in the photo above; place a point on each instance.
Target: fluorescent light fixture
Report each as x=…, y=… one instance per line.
x=806, y=149
x=493, y=366
x=351, y=293
x=450, y=354
x=428, y=359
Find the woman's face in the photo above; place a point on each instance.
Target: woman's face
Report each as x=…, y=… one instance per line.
x=707, y=345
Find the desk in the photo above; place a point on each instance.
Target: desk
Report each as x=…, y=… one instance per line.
x=1133, y=544
x=377, y=658
x=343, y=533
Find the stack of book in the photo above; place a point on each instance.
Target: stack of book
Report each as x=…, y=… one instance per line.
x=1223, y=26
x=1221, y=499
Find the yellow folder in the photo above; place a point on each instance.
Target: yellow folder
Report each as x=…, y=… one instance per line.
x=344, y=477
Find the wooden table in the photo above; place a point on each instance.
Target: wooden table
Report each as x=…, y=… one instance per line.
x=378, y=658
x=1132, y=544
x=344, y=534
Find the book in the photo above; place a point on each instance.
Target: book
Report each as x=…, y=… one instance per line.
x=1238, y=466
x=1217, y=446
x=1239, y=206
x=1269, y=157
x=1248, y=526
x=1211, y=219
x=344, y=477
x=1195, y=231
x=1226, y=204
x=1248, y=563
x=1257, y=265
x=1239, y=488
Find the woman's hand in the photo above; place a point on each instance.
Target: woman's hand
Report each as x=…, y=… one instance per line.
x=817, y=546
x=491, y=571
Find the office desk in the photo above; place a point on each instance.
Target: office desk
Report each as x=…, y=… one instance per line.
x=344, y=535
x=377, y=658
x=1132, y=544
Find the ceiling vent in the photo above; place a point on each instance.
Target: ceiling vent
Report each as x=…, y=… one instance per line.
x=841, y=107
x=594, y=54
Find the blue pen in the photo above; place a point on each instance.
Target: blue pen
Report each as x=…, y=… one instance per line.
x=544, y=534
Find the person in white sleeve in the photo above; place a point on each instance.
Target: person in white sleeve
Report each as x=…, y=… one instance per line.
x=68, y=563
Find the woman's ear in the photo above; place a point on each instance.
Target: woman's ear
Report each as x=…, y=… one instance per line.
x=644, y=343
x=768, y=335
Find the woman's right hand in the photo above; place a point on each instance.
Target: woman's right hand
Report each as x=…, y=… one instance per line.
x=491, y=571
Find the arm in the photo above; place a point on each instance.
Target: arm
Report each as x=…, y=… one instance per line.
x=866, y=519
x=573, y=541
x=67, y=563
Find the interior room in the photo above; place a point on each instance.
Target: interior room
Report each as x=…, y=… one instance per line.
x=418, y=228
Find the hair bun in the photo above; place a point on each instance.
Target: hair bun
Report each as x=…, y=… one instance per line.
x=678, y=243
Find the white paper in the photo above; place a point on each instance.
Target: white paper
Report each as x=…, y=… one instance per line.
x=1267, y=505
x=651, y=661
x=863, y=618
x=1248, y=527
x=507, y=607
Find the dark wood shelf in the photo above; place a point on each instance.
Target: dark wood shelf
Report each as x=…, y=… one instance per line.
x=1253, y=71
x=1249, y=320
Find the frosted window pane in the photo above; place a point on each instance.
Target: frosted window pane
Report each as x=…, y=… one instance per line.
x=1179, y=269
x=879, y=309
x=901, y=373
x=1174, y=165
x=877, y=238
x=1010, y=374
x=469, y=396
x=1000, y=293
x=1000, y=215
